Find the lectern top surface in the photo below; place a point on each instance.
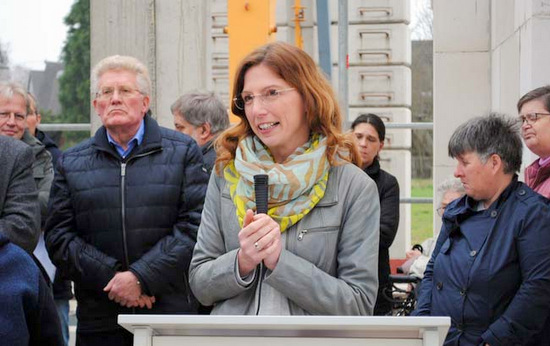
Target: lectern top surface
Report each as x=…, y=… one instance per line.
x=287, y=326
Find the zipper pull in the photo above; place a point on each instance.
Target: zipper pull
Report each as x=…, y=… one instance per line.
x=301, y=234
x=123, y=169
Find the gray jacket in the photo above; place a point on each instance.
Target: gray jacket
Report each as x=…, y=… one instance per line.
x=329, y=261
x=42, y=171
x=19, y=211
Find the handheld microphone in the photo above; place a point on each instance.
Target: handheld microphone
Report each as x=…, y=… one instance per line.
x=261, y=193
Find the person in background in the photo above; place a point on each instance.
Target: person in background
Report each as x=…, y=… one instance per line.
x=125, y=209
x=417, y=258
x=534, y=114
x=202, y=116
x=15, y=97
x=490, y=270
x=19, y=208
x=62, y=290
x=33, y=121
x=315, y=252
x=369, y=131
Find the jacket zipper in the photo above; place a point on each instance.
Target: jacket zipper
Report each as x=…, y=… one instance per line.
x=123, y=201
x=123, y=211
x=303, y=232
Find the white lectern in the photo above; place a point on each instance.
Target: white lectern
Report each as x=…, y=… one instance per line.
x=172, y=330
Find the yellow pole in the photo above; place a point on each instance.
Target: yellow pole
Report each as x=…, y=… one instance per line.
x=298, y=17
x=251, y=23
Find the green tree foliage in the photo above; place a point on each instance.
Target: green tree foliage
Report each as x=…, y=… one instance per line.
x=422, y=107
x=74, y=84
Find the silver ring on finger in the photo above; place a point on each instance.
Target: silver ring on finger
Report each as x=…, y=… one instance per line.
x=257, y=246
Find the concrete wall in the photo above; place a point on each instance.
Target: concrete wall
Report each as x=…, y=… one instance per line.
x=487, y=54
x=165, y=35
x=462, y=73
x=521, y=49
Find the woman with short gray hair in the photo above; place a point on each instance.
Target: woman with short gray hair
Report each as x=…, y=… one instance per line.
x=490, y=270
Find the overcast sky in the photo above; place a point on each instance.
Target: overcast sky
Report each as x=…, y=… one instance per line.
x=33, y=30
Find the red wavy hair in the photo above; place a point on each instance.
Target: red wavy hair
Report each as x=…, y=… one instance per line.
x=299, y=70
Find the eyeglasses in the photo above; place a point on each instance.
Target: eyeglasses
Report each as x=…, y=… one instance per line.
x=531, y=118
x=441, y=209
x=108, y=92
x=246, y=100
x=17, y=116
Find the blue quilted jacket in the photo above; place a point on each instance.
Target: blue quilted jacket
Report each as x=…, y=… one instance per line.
x=141, y=213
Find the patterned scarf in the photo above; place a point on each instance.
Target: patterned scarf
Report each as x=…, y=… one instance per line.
x=295, y=186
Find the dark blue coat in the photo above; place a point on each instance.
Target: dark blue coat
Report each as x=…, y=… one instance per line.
x=141, y=213
x=28, y=315
x=50, y=145
x=496, y=292
x=388, y=191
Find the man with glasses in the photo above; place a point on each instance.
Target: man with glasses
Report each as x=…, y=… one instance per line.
x=26, y=299
x=14, y=107
x=125, y=209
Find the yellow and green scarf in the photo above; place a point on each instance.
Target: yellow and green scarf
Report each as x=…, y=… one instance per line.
x=295, y=186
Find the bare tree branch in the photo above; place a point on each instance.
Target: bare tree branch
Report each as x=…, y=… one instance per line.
x=423, y=29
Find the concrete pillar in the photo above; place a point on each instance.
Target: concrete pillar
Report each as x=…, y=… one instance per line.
x=462, y=74
x=169, y=36
x=520, y=31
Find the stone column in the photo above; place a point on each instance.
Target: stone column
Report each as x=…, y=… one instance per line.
x=169, y=36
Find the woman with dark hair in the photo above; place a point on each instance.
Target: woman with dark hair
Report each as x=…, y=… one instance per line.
x=534, y=112
x=315, y=250
x=370, y=132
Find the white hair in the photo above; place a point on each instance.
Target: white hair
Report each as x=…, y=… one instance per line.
x=125, y=63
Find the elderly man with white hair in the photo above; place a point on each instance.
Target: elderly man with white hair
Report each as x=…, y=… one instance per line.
x=125, y=209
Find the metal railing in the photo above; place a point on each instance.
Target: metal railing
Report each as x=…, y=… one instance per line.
x=87, y=127
x=416, y=200
x=412, y=126
x=65, y=127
